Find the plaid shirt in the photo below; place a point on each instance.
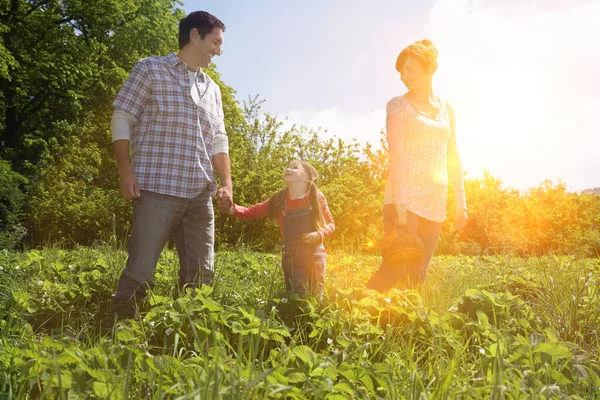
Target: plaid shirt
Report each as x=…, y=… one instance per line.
x=172, y=139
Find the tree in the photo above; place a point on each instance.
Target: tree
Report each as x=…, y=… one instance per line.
x=11, y=207
x=61, y=64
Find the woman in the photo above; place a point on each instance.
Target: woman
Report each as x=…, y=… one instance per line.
x=422, y=159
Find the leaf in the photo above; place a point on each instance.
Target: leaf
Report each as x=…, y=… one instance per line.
x=343, y=342
x=555, y=350
x=125, y=335
x=305, y=354
x=345, y=387
x=101, y=390
x=296, y=377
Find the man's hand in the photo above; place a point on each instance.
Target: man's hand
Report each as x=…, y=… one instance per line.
x=461, y=219
x=128, y=185
x=225, y=199
x=311, y=238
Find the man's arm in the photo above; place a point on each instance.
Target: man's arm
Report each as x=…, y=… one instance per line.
x=225, y=192
x=127, y=182
x=221, y=160
x=128, y=107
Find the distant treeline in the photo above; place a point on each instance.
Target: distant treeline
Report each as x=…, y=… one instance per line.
x=61, y=65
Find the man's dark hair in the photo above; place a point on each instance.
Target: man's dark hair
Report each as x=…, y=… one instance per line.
x=201, y=20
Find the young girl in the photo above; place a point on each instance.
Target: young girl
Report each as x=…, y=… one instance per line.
x=304, y=221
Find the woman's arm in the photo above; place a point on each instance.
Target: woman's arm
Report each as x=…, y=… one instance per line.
x=455, y=174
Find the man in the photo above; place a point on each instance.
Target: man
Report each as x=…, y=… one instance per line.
x=173, y=114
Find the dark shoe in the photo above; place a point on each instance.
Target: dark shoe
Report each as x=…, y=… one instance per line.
x=124, y=309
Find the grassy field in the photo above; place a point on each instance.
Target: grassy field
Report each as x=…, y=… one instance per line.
x=482, y=327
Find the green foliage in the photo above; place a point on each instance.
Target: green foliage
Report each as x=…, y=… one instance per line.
x=61, y=65
x=542, y=220
x=11, y=206
x=70, y=202
x=502, y=328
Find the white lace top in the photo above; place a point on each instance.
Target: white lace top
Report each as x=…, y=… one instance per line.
x=422, y=156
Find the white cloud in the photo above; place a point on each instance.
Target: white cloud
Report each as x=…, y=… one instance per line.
x=363, y=127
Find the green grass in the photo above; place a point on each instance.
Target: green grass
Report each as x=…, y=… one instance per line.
x=482, y=327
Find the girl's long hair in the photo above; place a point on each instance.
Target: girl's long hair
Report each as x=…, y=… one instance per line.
x=276, y=201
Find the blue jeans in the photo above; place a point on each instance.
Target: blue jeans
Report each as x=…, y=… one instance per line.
x=156, y=217
x=411, y=274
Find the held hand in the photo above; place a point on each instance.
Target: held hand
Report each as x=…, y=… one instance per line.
x=311, y=238
x=461, y=219
x=400, y=214
x=224, y=199
x=128, y=185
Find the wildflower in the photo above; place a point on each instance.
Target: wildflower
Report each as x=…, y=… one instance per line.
x=169, y=331
x=40, y=283
x=71, y=268
x=151, y=324
x=17, y=267
x=453, y=309
x=284, y=300
x=388, y=300
x=552, y=389
x=482, y=350
x=329, y=340
x=1, y=268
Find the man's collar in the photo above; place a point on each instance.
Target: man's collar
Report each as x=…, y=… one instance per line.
x=174, y=60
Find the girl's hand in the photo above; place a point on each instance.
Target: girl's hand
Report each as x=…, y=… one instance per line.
x=461, y=219
x=311, y=238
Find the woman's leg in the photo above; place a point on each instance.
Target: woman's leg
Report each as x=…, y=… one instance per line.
x=387, y=275
x=429, y=232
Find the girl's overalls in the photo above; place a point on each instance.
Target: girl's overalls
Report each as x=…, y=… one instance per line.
x=303, y=264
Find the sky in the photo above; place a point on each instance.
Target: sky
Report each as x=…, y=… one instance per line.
x=522, y=76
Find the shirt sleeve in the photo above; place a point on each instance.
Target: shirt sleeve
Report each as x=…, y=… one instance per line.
x=220, y=141
x=455, y=172
x=329, y=227
x=397, y=157
x=136, y=91
x=255, y=211
x=121, y=125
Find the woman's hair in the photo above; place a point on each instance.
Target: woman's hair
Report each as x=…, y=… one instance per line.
x=276, y=201
x=424, y=51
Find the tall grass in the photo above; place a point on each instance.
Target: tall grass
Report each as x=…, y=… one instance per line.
x=482, y=327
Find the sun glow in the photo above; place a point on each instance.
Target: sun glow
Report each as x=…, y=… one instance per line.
x=512, y=79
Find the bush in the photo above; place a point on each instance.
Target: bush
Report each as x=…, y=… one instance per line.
x=12, y=198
